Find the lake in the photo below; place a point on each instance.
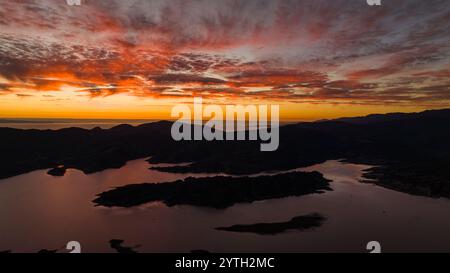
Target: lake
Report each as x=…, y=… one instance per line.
x=40, y=211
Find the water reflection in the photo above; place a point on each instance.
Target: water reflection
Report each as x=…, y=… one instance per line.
x=39, y=211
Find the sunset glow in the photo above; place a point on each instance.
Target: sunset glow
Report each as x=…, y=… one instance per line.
x=136, y=59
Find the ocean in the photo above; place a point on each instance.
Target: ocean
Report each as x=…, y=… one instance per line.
x=55, y=124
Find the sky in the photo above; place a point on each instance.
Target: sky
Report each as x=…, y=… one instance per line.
x=137, y=58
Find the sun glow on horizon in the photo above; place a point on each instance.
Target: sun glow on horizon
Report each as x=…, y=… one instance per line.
x=316, y=59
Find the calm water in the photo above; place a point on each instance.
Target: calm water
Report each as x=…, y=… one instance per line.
x=39, y=211
x=55, y=124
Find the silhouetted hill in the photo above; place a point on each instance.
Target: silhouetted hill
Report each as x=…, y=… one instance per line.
x=394, y=116
x=217, y=192
x=396, y=142
x=86, y=150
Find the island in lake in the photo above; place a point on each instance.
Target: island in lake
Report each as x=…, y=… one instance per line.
x=299, y=223
x=411, y=152
x=218, y=192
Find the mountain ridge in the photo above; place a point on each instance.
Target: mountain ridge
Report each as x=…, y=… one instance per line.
x=418, y=140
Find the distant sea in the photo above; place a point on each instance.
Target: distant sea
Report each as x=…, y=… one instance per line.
x=60, y=123
x=54, y=124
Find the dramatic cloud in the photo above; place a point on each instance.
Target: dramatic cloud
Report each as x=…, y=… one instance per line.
x=320, y=51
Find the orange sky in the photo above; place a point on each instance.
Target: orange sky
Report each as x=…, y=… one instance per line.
x=128, y=107
x=136, y=59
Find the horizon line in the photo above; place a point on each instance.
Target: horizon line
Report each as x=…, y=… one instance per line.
x=31, y=119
